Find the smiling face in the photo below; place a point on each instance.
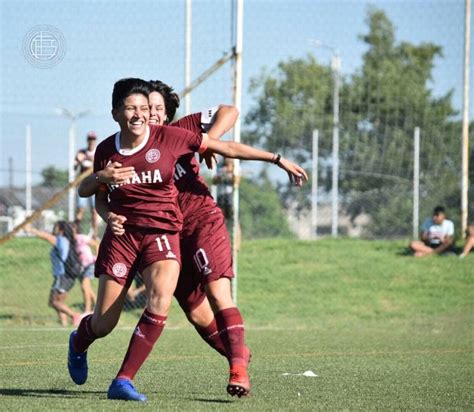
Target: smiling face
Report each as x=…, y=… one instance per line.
x=133, y=115
x=157, y=108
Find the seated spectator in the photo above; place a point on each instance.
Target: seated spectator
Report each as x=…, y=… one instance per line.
x=437, y=235
x=469, y=244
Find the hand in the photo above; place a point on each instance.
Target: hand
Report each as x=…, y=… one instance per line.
x=115, y=174
x=209, y=158
x=115, y=223
x=296, y=173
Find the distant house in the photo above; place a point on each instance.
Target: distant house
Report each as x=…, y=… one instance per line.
x=300, y=223
x=13, y=207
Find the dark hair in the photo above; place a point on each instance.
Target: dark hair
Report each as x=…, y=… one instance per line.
x=77, y=225
x=438, y=210
x=67, y=229
x=126, y=87
x=169, y=96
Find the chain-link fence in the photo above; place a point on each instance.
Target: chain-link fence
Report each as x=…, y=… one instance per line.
x=319, y=78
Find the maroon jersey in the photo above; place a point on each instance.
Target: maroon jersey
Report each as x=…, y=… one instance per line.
x=149, y=198
x=194, y=198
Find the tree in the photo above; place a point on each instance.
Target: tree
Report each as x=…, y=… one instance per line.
x=380, y=106
x=53, y=177
x=261, y=210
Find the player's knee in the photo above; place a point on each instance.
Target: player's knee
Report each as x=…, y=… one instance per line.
x=102, y=329
x=159, y=303
x=220, y=301
x=199, y=319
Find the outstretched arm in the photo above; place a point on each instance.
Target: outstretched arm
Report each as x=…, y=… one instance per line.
x=49, y=237
x=241, y=151
x=223, y=121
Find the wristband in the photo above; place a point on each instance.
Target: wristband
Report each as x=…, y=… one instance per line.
x=276, y=158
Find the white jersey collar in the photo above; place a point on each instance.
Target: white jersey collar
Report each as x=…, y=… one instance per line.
x=129, y=152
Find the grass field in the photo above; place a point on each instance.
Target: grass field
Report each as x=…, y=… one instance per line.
x=381, y=330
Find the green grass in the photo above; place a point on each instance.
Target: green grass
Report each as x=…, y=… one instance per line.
x=381, y=330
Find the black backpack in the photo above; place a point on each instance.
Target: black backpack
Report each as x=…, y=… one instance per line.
x=72, y=264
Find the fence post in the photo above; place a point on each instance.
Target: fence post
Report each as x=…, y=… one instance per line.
x=416, y=182
x=314, y=186
x=28, y=179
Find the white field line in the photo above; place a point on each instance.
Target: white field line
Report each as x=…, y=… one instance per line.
x=60, y=329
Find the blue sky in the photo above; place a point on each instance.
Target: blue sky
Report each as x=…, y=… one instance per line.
x=107, y=40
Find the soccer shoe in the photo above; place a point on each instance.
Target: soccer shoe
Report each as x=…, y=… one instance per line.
x=239, y=383
x=76, y=362
x=123, y=389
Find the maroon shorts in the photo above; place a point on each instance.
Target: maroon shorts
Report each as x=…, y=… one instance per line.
x=137, y=249
x=206, y=257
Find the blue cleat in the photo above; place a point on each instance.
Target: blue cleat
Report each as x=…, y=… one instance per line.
x=76, y=363
x=124, y=390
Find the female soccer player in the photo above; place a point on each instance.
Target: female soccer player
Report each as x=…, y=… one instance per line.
x=205, y=246
x=143, y=220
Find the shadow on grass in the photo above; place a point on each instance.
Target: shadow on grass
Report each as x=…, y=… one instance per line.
x=210, y=400
x=404, y=252
x=48, y=393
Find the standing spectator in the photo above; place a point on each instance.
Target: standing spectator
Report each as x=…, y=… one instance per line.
x=62, y=239
x=87, y=259
x=469, y=244
x=85, y=161
x=224, y=179
x=437, y=235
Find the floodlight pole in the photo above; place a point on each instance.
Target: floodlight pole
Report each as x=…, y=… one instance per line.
x=72, y=154
x=187, y=57
x=239, y=15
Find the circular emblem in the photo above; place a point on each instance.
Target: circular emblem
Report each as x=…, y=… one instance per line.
x=44, y=46
x=119, y=270
x=152, y=156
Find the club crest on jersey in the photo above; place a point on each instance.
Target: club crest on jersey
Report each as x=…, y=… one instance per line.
x=153, y=155
x=119, y=270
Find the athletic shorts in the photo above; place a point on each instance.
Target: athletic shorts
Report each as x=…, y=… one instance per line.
x=88, y=272
x=137, y=249
x=62, y=283
x=206, y=257
x=85, y=202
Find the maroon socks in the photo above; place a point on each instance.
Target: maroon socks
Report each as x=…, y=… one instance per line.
x=146, y=333
x=85, y=336
x=211, y=335
x=231, y=330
